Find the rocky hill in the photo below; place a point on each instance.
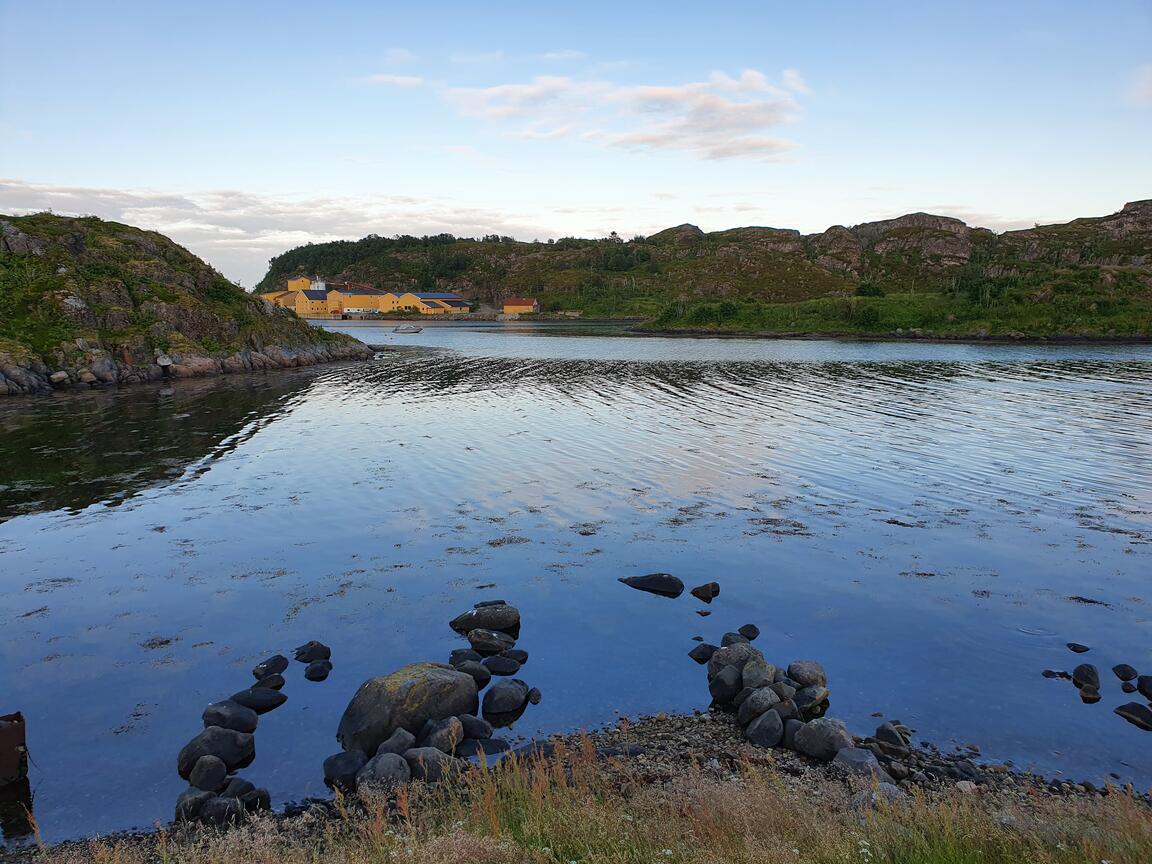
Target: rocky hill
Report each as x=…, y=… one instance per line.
x=85, y=302
x=1086, y=269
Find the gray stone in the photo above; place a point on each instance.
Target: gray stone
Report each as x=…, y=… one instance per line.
x=209, y=774
x=480, y=673
x=235, y=749
x=725, y=685
x=787, y=709
x=791, y=727
x=757, y=673
x=58, y=378
x=1136, y=714
x=261, y=700
x=274, y=665
x=443, y=734
x=340, y=769
x=869, y=799
x=823, y=738
x=430, y=764
x=190, y=803
x=1085, y=675
x=1144, y=685
x=749, y=631
x=237, y=787
x=489, y=642
x=463, y=655
x=495, y=617
x=702, y=652
x=664, y=584
x=860, y=762
x=807, y=673
x=475, y=727
x=732, y=639
x=230, y=715
x=383, y=772
x=732, y=655
x=318, y=670
x=222, y=811
x=808, y=699
x=782, y=690
x=1124, y=672
x=707, y=592
x=471, y=748
x=271, y=682
x=517, y=654
x=500, y=665
x=505, y=697
x=406, y=699
x=312, y=651
x=757, y=703
x=399, y=742
x=767, y=730
x=256, y=801
x=534, y=696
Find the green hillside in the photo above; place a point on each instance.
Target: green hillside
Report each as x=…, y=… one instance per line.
x=1090, y=276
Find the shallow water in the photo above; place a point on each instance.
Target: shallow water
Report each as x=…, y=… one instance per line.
x=918, y=517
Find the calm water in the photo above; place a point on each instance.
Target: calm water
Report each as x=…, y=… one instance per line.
x=918, y=517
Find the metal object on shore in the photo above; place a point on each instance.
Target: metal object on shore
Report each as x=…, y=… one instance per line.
x=13, y=749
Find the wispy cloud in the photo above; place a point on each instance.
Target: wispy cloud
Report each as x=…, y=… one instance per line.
x=1140, y=90
x=719, y=118
x=794, y=81
x=566, y=54
x=398, y=56
x=396, y=80
x=476, y=58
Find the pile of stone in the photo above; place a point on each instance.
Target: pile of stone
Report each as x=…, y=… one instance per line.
x=1086, y=678
x=425, y=721
x=216, y=795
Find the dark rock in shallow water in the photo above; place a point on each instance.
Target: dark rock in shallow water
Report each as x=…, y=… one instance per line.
x=706, y=592
x=500, y=665
x=725, y=685
x=471, y=747
x=807, y=673
x=1085, y=675
x=489, y=642
x=703, y=613
x=256, y=801
x=383, y=772
x=1078, y=648
x=399, y=742
x=235, y=749
x=260, y=700
x=237, y=787
x=463, y=655
x=1124, y=672
x=1089, y=695
x=318, y=670
x=474, y=727
x=484, y=603
x=271, y=682
x=230, y=715
x=702, y=652
x=209, y=774
x=274, y=665
x=444, y=734
x=1128, y=687
x=749, y=631
x=767, y=730
x=664, y=584
x=1054, y=673
x=479, y=672
x=732, y=639
x=1137, y=714
x=408, y=698
x=823, y=738
x=505, y=697
x=312, y=651
x=517, y=654
x=340, y=769
x=430, y=764
x=1144, y=685
x=190, y=803
x=222, y=811
x=534, y=696
x=495, y=617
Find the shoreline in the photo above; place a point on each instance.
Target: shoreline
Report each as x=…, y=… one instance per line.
x=840, y=336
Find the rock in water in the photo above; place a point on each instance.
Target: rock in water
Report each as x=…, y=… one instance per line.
x=664, y=584
x=318, y=670
x=444, y=734
x=495, y=617
x=732, y=655
x=517, y=654
x=463, y=655
x=237, y=788
x=505, y=697
x=823, y=738
x=1077, y=648
x=749, y=631
x=479, y=672
x=732, y=639
x=399, y=742
x=222, y=811
x=1085, y=675
x=271, y=682
x=209, y=774
x=261, y=700
x=1128, y=687
x=1137, y=714
x=1124, y=672
x=807, y=673
x=1144, y=685
x=312, y=651
x=500, y=665
x=385, y=771
x=340, y=770
x=406, y=699
x=534, y=696
x=707, y=592
x=257, y=800
x=702, y=653
x=190, y=803
x=274, y=665
x=230, y=715
x=235, y=749
x=488, y=642
x=474, y=727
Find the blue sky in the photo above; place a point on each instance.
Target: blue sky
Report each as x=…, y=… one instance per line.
x=242, y=129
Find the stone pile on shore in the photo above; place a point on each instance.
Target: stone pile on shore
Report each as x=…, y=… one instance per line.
x=216, y=795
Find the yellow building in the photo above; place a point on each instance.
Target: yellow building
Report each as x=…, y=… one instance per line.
x=358, y=300
x=432, y=304
x=521, y=306
x=273, y=296
x=300, y=283
x=310, y=302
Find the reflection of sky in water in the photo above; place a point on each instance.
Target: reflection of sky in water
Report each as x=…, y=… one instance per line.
x=915, y=516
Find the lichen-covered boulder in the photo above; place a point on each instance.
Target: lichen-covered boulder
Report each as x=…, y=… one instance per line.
x=406, y=699
x=823, y=738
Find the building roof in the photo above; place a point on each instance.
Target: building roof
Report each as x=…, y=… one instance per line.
x=520, y=301
x=373, y=292
x=456, y=304
x=438, y=296
x=315, y=295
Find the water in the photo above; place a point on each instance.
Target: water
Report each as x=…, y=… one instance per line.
x=915, y=516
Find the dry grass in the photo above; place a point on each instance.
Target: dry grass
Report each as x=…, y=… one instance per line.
x=572, y=809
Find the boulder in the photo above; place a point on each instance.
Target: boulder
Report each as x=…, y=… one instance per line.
x=399, y=742
x=757, y=702
x=230, y=715
x=784, y=691
x=823, y=738
x=807, y=699
x=237, y=787
x=256, y=801
x=209, y=774
x=489, y=642
x=702, y=653
x=1085, y=675
x=495, y=617
x=706, y=592
x=860, y=763
x=383, y=772
x=222, y=811
x=474, y=727
x=791, y=727
x=1136, y=714
x=501, y=665
x=505, y=697
x=534, y=696
x=442, y=734
x=757, y=673
x=767, y=730
x=463, y=655
x=664, y=584
x=480, y=673
x=261, y=700
x=312, y=651
x=318, y=670
x=271, y=682
x=1128, y=687
x=725, y=685
x=406, y=699
x=1124, y=672
x=870, y=799
x=1144, y=685
x=190, y=803
x=731, y=639
x=235, y=749
x=807, y=673
x=517, y=654
x=471, y=748
x=786, y=708
x=430, y=764
x=274, y=665
x=749, y=631
x=340, y=769
x=732, y=655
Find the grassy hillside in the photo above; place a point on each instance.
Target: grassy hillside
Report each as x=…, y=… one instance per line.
x=69, y=286
x=1090, y=276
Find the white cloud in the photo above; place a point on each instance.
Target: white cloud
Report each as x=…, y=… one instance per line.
x=719, y=118
x=1140, y=91
x=398, y=56
x=793, y=81
x=396, y=80
x=566, y=54
x=476, y=58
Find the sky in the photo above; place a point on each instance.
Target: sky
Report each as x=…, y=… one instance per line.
x=245, y=129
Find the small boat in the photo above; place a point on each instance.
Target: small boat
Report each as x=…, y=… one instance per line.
x=407, y=328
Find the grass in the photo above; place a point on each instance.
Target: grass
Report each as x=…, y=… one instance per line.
x=572, y=809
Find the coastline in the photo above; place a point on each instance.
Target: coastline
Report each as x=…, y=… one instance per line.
x=844, y=336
